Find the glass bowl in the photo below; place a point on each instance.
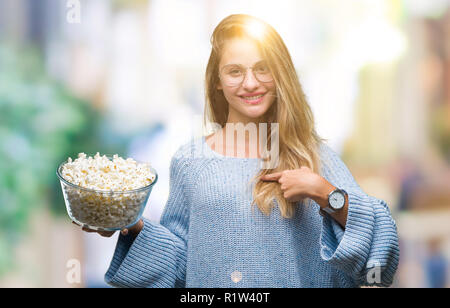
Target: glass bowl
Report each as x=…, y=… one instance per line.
x=104, y=210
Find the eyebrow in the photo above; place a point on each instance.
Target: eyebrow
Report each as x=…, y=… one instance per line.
x=256, y=63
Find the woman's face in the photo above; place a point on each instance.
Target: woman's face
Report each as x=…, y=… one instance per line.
x=250, y=100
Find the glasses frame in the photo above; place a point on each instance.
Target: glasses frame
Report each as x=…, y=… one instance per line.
x=244, y=76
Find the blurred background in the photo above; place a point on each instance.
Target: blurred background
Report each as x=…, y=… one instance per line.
x=126, y=77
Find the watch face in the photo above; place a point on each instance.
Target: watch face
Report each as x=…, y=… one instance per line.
x=337, y=200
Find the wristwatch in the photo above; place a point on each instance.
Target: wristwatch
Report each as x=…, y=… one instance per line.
x=336, y=201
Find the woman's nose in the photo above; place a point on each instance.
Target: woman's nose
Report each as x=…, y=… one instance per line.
x=250, y=82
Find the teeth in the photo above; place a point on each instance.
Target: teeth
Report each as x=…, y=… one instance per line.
x=253, y=97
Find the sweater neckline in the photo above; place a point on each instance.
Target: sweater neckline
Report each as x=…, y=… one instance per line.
x=217, y=154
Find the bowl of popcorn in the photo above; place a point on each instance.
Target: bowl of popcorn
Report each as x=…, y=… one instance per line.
x=105, y=193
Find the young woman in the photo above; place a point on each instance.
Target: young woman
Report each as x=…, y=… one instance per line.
x=304, y=222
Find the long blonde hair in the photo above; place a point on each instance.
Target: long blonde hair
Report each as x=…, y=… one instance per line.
x=298, y=140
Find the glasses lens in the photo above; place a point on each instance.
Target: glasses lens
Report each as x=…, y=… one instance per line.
x=262, y=73
x=232, y=74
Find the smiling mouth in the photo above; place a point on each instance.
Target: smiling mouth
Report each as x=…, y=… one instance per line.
x=253, y=99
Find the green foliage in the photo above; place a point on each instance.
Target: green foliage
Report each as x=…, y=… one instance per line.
x=440, y=129
x=41, y=124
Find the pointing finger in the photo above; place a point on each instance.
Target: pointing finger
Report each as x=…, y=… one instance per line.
x=271, y=177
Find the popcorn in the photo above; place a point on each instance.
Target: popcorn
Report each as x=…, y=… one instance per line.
x=111, y=205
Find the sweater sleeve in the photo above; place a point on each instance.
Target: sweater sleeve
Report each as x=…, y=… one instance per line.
x=367, y=250
x=157, y=256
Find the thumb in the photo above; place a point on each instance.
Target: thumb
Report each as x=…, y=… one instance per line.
x=271, y=177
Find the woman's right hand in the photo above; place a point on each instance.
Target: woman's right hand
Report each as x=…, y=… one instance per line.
x=134, y=230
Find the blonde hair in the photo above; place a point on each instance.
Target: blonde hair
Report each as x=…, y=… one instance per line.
x=298, y=140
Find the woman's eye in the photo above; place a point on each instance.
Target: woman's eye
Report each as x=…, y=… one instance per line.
x=235, y=72
x=262, y=69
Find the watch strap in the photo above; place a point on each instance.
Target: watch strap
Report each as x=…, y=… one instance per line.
x=327, y=210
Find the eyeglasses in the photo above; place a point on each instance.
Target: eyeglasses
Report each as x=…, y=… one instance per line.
x=234, y=74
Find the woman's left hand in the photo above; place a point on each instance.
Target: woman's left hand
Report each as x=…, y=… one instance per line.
x=300, y=183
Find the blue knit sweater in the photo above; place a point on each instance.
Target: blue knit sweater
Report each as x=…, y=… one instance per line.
x=209, y=235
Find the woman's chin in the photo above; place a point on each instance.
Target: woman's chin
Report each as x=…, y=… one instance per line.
x=256, y=111
x=254, y=115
